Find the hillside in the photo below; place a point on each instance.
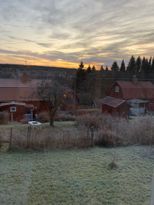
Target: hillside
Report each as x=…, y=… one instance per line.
x=37, y=72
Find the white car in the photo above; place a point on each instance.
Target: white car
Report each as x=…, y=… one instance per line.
x=34, y=123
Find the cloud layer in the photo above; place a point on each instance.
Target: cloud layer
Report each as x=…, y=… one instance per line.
x=68, y=31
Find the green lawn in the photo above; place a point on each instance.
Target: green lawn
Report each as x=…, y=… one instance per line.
x=75, y=177
x=56, y=124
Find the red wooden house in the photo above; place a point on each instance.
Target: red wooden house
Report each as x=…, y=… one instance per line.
x=20, y=99
x=139, y=95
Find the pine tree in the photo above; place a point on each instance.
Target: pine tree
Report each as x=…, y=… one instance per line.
x=131, y=65
x=138, y=64
x=80, y=76
x=115, y=66
x=93, y=68
x=145, y=67
x=81, y=66
x=89, y=69
x=102, y=68
x=152, y=65
x=123, y=67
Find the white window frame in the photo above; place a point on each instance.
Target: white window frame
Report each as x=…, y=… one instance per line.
x=116, y=89
x=13, y=109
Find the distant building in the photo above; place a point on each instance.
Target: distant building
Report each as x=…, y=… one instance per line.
x=139, y=95
x=114, y=106
x=20, y=99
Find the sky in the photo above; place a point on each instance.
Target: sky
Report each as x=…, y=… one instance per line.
x=64, y=32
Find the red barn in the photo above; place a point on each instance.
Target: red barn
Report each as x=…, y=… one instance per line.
x=138, y=94
x=20, y=99
x=128, y=90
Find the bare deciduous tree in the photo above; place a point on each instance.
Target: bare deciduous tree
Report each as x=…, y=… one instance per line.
x=51, y=92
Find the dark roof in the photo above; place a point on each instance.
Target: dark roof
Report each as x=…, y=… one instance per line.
x=140, y=89
x=16, y=103
x=112, y=102
x=15, y=90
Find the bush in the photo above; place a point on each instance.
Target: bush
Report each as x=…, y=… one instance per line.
x=4, y=118
x=142, y=130
x=88, y=121
x=108, y=132
x=43, y=117
x=44, y=138
x=65, y=117
x=108, y=138
x=112, y=131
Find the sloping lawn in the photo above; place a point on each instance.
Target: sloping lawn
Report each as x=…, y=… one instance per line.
x=74, y=177
x=56, y=124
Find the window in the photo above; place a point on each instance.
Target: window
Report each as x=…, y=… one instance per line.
x=13, y=109
x=117, y=89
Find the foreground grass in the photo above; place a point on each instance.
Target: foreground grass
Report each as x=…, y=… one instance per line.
x=56, y=124
x=77, y=177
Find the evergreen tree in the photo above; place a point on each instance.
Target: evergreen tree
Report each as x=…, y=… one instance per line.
x=152, y=65
x=106, y=69
x=89, y=69
x=145, y=67
x=80, y=77
x=138, y=64
x=131, y=65
x=93, y=68
x=81, y=66
x=115, y=66
x=102, y=68
x=123, y=67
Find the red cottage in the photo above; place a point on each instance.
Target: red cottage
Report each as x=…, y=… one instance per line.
x=139, y=95
x=20, y=99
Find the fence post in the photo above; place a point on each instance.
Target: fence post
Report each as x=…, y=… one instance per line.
x=10, y=140
x=152, y=193
x=92, y=129
x=28, y=136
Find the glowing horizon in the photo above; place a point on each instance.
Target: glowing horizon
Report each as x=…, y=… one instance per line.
x=63, y=33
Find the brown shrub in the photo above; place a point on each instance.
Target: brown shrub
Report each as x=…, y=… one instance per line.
x=50, y=138
x=110, y=132
x=142, y=130
x=43, y=117
x=88, y=121
x=4, y=118
x=119, y=131
x=65, y=117
x=108, y=138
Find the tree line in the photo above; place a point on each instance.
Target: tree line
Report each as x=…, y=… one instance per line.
x=92, y=83
x=135, y=65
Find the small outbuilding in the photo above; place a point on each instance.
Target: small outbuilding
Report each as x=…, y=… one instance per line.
x=115, y=106
x=18, y=109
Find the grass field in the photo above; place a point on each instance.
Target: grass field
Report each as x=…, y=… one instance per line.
x=56, y=124
x=74, y=177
